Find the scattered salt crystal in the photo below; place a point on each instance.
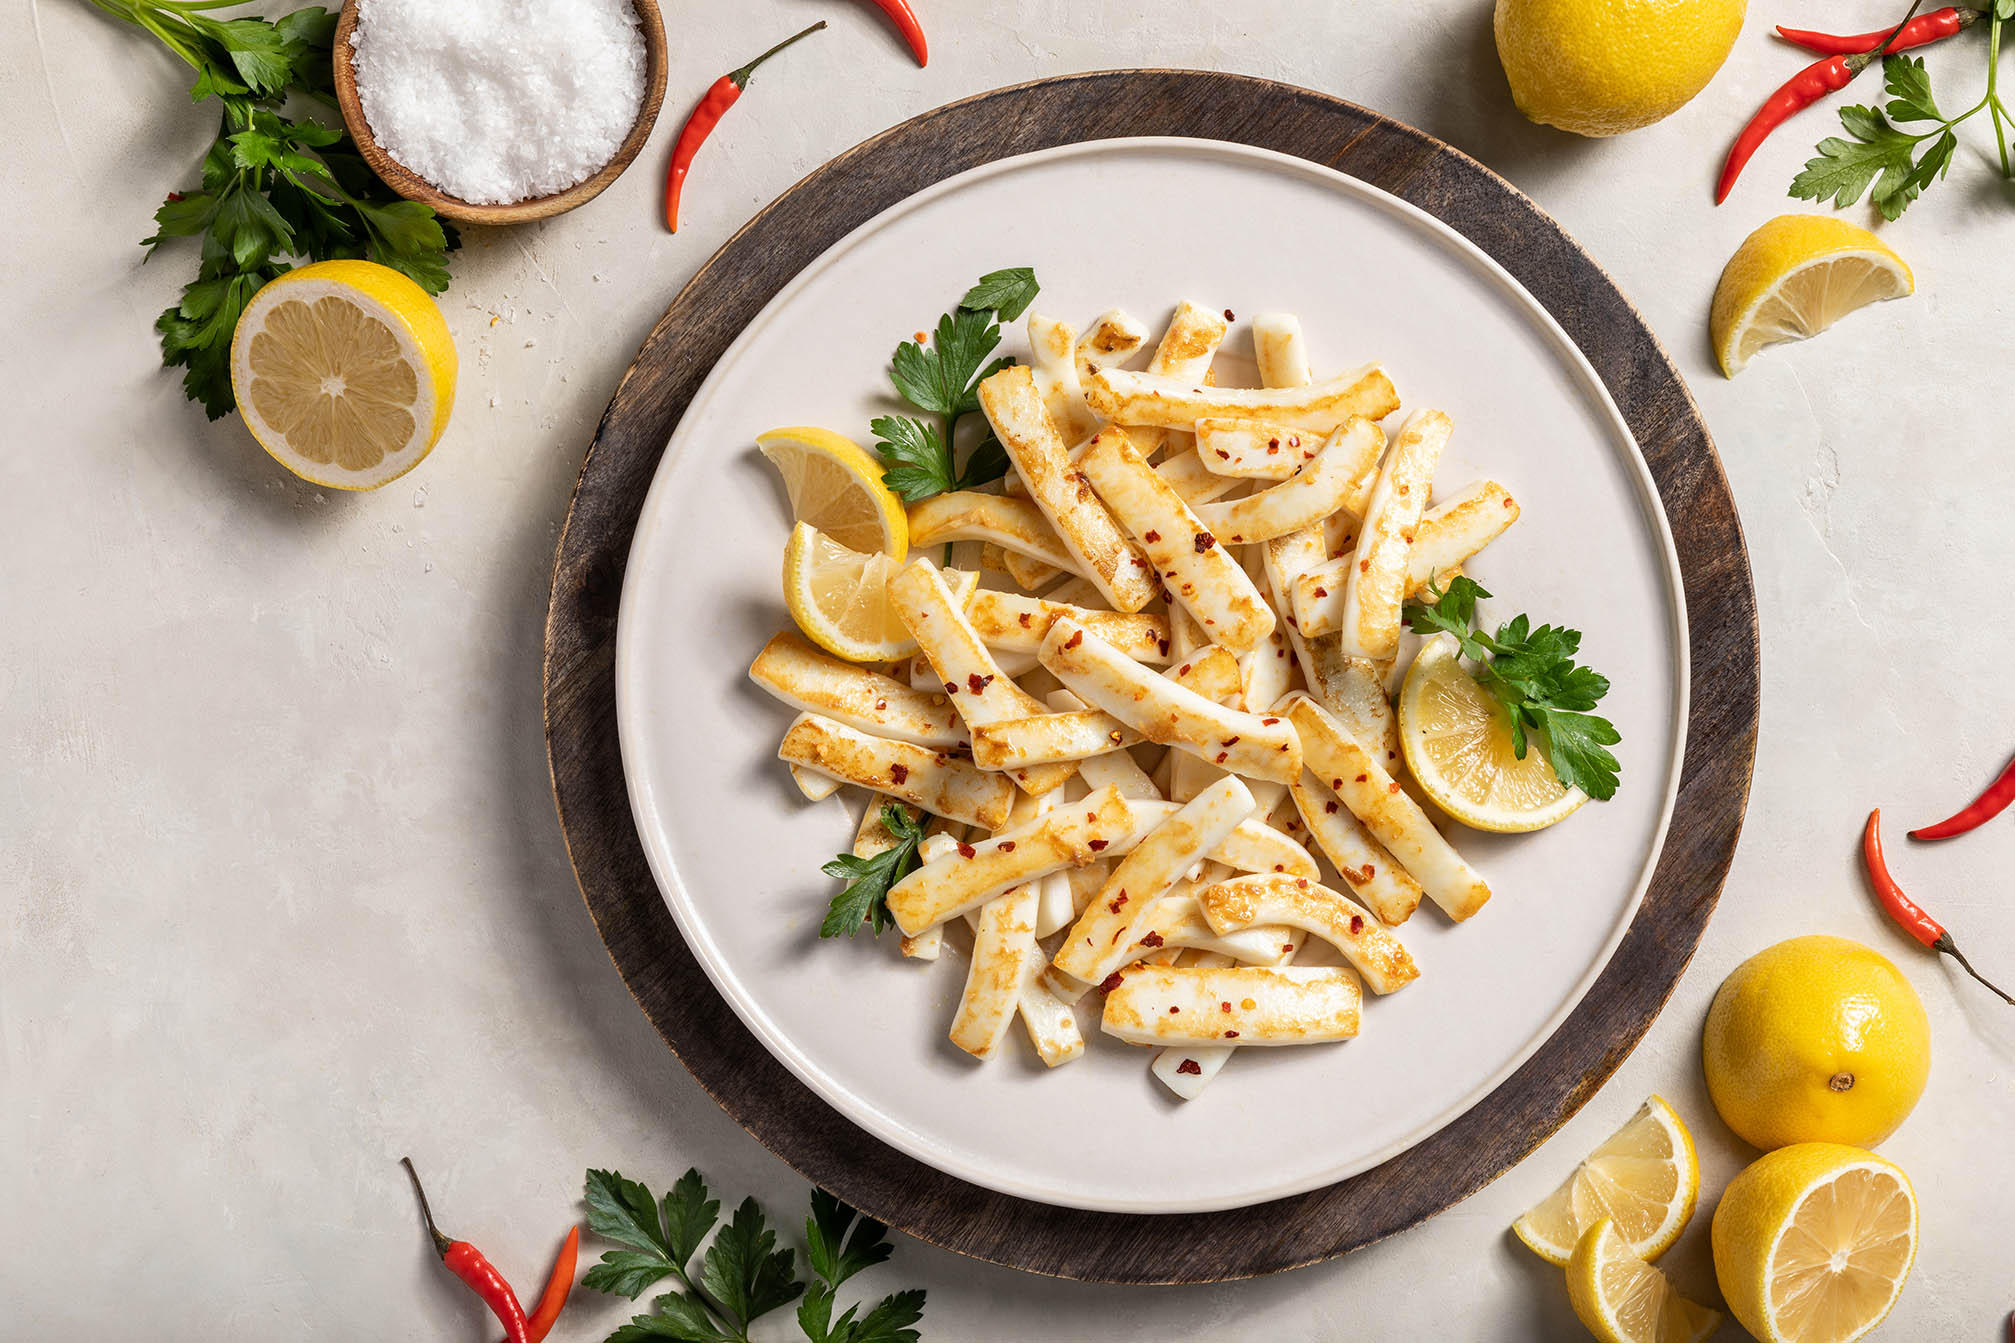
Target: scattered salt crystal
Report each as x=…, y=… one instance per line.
x=495, y=101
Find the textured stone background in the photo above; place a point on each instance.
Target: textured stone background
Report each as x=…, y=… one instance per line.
x=282, y=895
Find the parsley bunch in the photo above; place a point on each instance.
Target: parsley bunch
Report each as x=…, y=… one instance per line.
x=1532, y=673
x=743, y=1275
x=272, y=188
x=866, y=898
x=943, y=380
x=1890, y=165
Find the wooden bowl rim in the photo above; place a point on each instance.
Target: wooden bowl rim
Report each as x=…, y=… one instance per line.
x=413, y=187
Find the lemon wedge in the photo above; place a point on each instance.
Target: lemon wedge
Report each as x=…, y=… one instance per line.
x=1644, y=1181
x=1813, y=1242
x=839, y=597
x=1622, y=1299
x=1796, y=276
x=1458, y=745
x=345, y=372
x=836, y=485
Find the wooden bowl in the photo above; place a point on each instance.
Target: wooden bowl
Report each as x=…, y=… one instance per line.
x=416, y=188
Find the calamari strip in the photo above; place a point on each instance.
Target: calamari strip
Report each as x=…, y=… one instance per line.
x=1254, y=449
x=1185, y=472
x=1278, y=348
x=1097, y=546
x=1449, y=534
x=815, y=787
x=1361, y=782
x=1130, y=398
x=1243, y=1005
x=1097, y=944
x=1328, y=484
x=1243, y=903
x=810, y=680
x=1015, y=525
x=1051, y=1024
x=1198, y=573
x=1375, y=583
x=1167, y=713
x=1387, y=888
x=1078, y=734
x=1011, y=621
x=973, y=681
x=1053, y=361
x=1005, y=962
x=936, y=782
x=1030, y=575
x=1189, y=344
x=1177, y=920
x=1113, y=338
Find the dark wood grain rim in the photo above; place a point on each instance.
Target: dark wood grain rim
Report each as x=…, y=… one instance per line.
x=414, y=187
x=697, y=1023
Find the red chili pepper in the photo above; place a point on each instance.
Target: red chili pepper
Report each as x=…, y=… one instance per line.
x=906, y=23
x=1905, y=911
x=1799, y=92
x=1920, y=31
x=466, y=1262
x=1976, y=813
x=719, y=98
x=559, y=1284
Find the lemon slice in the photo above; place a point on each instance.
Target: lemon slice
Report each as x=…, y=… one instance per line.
x=345, y=372
x=1622, y=1299
x=1796, y=276
x=1457, y=740
x=836, y=485
x=1812, y=1243
x=1644, y=1180
x=839, y=597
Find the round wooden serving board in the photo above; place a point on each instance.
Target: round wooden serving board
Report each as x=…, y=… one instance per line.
x=587, y=767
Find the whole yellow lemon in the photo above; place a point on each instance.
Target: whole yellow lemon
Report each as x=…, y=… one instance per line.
x=1603, y=67
x=1818, y=1039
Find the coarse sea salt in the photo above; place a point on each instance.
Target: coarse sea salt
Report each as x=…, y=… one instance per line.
x=495, y=101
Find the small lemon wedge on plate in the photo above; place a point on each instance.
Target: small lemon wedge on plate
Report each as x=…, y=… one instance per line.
x=1458, y=745
x=1644, y=1180
x=1812, y=1243
x=836, y=485
x=1796, y=276
x=839, y=597
x=345, y=372
x=1622, y=1299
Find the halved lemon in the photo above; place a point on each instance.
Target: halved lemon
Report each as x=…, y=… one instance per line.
x=1457, y=741
x=836, y=485
x=1622, y=1299
x=1812, y=1243
x=1644, y=1180
x=345, y=372
x=839, y=597
x=1796, y=276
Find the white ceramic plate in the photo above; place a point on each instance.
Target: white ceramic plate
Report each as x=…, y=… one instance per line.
x=1140, y=224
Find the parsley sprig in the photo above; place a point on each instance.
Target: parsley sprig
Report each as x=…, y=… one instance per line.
x=1890, y=165
x=943, y=379
x=273, y=188
x=743, y=1275
x=1533, y=674
x=866, y=897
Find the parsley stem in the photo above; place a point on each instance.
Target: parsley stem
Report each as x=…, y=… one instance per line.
x=1997, y=111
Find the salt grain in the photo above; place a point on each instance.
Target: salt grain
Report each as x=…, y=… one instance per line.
x=495, y=101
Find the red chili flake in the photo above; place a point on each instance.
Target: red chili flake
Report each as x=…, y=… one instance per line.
x=951, y=687
x=966, y=850
x=1109, y=983
x=1229, y=741
x=922, y=336
x=1183, y=670
x=1336, y=785
x=1096, y=845
x=1229, y=316
x=1322, y=592
x=977, y=683
x=1329, y=808
x=1392, y=787
x=1162, y=644
x=1273, y=445
x=175, y=196
x=1356, y=924
x=1231, y=1035
x=1173, y=1010
x=1301, y=883
x=1360, y=778
x=1150, y=536
x=1222, y=454
x=1190, y=1067
x=1113, y=904
x=1204, y=541
x=1224, y=1007
x=1292, y=621
x=900, y=773
x=1286, y=947
x=1509, y=504
x=1268, y=722
x=1364, y=566
x=1150, y=939
x=1074, y=640
x=1007, y=846
x=1023, y=618
x=1221, y=756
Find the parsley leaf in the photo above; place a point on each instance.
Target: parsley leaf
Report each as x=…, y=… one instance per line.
x=1006, y=292
x=919, y=464
x=744, y=1271
x=1889, y=165
x=835, y=1254
x=865, y=899
x=940, y=378
x=1532, y=673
